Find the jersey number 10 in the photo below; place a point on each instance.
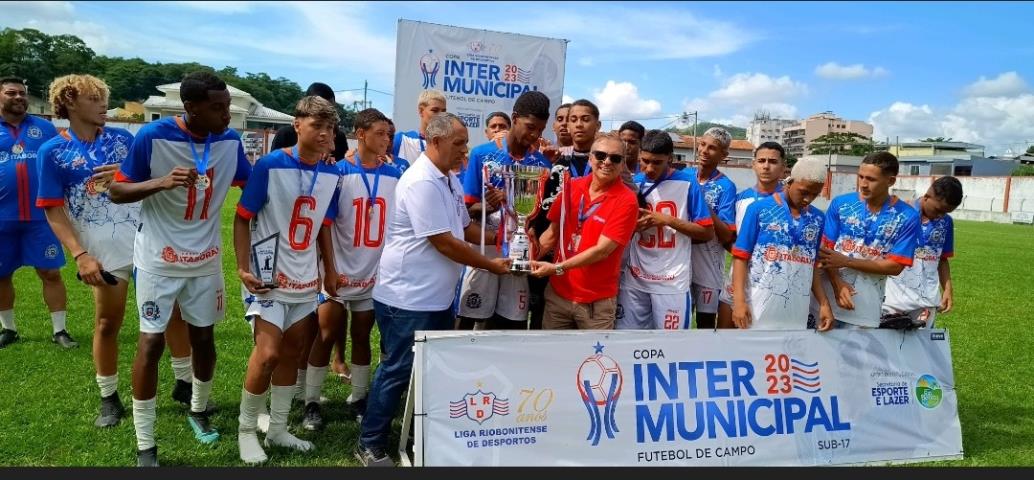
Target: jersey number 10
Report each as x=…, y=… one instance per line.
x=363, y=222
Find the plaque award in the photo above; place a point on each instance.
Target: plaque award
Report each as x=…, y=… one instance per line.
x=263, y=258
x=521, y=184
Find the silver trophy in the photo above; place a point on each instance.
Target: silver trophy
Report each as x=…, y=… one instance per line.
x=263, y=259
x=521, y=184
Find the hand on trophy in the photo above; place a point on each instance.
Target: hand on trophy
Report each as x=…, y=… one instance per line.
x=549, y=150
x=251, y=282
x=500, y=266
x=494, y=197
x=542, y=269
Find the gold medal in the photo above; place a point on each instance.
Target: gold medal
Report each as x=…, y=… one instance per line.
x=203, y=182
x=100, y=187
x=17, y=149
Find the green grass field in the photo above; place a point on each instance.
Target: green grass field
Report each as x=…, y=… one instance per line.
x=48, y=397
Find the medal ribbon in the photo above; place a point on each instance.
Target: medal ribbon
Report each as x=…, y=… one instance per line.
x=370, y=192
x=315, y=170
x=201, y=163
x=650, y=190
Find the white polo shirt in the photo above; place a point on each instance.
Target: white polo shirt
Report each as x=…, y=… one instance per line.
x=413, y=275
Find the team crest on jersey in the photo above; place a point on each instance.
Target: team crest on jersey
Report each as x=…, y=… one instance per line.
x=169, y=255
x=711, y=196
x=149, y=311
x=473, y=300
x=35, y=132
x=121, y=152
x=811, y=232
x=51, y=252
x=937, y=236
x=888, y=229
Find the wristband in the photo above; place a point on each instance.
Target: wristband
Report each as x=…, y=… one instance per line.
x=84, y=252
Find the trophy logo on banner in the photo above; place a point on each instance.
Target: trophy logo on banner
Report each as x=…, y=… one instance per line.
x=264, y=256
x=521, y=185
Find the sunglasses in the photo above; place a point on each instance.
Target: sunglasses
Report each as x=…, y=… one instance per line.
x=614, y=158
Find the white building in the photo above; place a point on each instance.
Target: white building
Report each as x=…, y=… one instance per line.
x=764, y=128
x=245, y=111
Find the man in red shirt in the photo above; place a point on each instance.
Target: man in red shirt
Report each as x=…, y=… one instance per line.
x=590, y=230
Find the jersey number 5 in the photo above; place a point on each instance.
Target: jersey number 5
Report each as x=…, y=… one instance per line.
x=298, y=221
x=363, y=222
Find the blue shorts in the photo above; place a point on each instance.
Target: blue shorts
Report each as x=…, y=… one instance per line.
x=29, y=244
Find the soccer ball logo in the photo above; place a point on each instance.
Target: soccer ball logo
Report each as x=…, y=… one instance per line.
x=599, y=383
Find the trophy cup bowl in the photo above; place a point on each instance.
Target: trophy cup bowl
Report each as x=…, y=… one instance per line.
x=522, y=186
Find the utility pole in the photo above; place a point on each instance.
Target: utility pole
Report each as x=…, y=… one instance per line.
x=365, y=87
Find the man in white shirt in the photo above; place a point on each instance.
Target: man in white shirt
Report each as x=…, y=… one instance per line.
x=420, y=266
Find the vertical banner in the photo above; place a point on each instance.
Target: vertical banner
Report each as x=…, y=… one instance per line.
x=479, y=71
x=656, y=398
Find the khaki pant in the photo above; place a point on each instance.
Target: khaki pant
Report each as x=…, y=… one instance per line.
x=563, y=314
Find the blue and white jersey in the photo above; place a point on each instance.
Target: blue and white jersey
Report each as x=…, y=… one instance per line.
x=709, y=257
x=853, y=230
x=495, y=155
x=781, y=252
x=365, y=210
x=743, y=200
x=290, y=199
x=406, y=148
x=918, y=286
x=180, y=233
x=19, y=179
x=659, y=259
x=107, y=230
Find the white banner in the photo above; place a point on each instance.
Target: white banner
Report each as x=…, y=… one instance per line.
x=479, y=71
x=685, y=398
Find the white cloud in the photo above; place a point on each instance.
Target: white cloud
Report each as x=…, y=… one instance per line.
x=1004, y=85
x=621, y=101
x=833, y=70
x=741, y=94
x=219, y=7
x=907, y=121
x=616, y=33
x=567, y=99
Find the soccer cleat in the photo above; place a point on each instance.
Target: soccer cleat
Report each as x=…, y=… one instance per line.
x=64, y=339
x=356, y=409
x=313, y=419
x=7, y=337
x=112, y=411
x=373, y=457
x=182, y=392
x=147, y=458
x=201, y=423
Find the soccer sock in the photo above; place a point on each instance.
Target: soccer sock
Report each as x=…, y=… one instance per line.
x=7, y=320
x=199, y=395
x=182, y=369
x=263, y=413
x=247, y=439
x=299, y=384
x=360, y=382
x=143, y=421
x=58, y=320
x=314, y=377
x=279, y=406
x=108, y=385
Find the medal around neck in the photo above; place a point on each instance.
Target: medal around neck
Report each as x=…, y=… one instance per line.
x=264, y=258
x=17, y=149
x=521, y=185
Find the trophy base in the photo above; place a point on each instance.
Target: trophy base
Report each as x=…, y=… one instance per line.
x=520, y=268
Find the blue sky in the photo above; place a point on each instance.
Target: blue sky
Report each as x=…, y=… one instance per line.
x=958, y=70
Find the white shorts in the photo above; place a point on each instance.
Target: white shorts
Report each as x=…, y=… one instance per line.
x=124, y=273
x=638, y=310
x=484, y=293
x=201, y=300
x=280, y=314
x=353, y=304
x=705, y=299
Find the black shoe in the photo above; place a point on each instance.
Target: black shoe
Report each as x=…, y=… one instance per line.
x=373, y=457
x=201, y=424
x=357, y=409
x=147, y=458
x=313, y=419
x=64, y=339
x=7, y=337
x=182, y=392
x=112, y=411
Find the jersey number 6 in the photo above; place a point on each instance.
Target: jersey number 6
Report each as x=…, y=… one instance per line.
x=299, y=221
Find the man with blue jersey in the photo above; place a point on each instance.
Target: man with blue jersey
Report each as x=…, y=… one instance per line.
x=367, y=202
x=407, y=146
x=869, y=235
x=769, y=166
x=720, y=194
x=180, y=169
x=291, y=194
x=777, y=244
x=915, y=291
x=655, y=284
x=28, y=239
x=76, y=168
x=501, y=301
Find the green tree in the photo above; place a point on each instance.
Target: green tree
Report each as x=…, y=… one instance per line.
x=844, y=143
x=39, y=58
x=1023, y=171
x=738, y=133
x=1030, y=150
